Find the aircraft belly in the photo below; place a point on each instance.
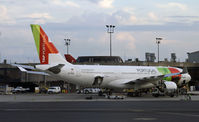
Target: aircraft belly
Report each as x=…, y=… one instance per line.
x=146, y=85
x=80, y=80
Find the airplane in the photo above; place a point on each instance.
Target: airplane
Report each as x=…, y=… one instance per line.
x=104, y=76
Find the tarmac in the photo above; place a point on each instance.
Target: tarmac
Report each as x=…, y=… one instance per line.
x=90, y=97
x=76, y=108
x=100, y=111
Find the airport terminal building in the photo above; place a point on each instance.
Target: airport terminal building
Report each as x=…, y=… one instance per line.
x=193, y=57
x=12, y=76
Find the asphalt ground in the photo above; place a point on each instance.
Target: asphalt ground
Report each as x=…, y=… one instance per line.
x=75, y=108
x=82, y=97
x=100, y=111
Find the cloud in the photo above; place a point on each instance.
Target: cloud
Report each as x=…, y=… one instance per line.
x=130, y=20
x=170, y=42
x=106, y=3
x=178, y=5
x=3, y=11
x=170, y=26
x=39, y=16
x=133, y=19
x=93, y=1
x=102, y=3
x=4, y=17
x=185, y=19
x=125, y=17
x=173, y=5
x=65, y=3
x=152, y=16
x=194, y=17
x=129, y=10
x=127, y=39
x=85, y=20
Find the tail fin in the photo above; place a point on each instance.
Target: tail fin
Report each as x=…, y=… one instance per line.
x=69, y=58
x=47, y=52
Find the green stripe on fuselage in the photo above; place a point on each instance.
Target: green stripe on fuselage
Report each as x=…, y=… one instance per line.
x=36, y=35
x=165, y=71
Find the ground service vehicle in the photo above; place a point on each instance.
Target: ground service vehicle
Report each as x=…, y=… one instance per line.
x=20, y=89
x=54, y=89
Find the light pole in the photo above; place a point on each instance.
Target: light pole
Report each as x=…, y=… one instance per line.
x=0, y=53
x=110, y=30
x=158, y=43
x=67, y=43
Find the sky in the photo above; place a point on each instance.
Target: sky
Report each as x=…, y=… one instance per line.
x=138, y=23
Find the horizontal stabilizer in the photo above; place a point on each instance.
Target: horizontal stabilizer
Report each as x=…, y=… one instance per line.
x=22, y=69
x=37, y=73
x=24, y=66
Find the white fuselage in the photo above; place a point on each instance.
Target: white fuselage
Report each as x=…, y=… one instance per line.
x=113, y=76
x=85, y=74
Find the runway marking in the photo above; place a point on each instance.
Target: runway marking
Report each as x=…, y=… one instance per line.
x=182, y=114
x=15, y=109
x=145, y=119
x=74, y=110
x=136, y=110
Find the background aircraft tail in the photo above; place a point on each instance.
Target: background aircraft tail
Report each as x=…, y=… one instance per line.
x=48, y=54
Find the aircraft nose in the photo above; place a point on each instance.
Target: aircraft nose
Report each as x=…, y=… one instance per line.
x=188, y=78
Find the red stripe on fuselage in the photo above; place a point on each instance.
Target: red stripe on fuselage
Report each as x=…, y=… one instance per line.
x=174, y=70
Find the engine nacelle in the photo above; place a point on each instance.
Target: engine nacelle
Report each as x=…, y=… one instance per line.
x=168, y=88
x=170, y=85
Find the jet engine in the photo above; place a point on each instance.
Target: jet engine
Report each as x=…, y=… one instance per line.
x=167, y=88
x=169, y=85
x=170, y=88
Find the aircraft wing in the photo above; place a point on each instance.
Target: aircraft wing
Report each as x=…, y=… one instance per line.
x=151, y=79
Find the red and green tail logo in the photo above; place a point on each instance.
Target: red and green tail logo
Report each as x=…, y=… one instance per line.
x=44, y=46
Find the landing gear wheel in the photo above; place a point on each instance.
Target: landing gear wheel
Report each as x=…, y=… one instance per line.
x=100, y=93
x=172, y=95
x=86, y=92
x=156, y=95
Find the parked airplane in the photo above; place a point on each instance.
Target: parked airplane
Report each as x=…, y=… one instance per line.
x=105, y=76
